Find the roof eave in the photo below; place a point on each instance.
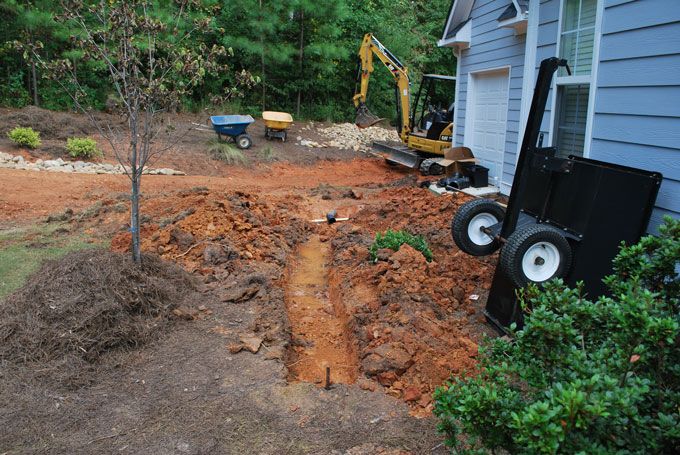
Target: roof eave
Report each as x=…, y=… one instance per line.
x=518, y=23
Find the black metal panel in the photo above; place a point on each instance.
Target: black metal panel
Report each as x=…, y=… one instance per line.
x=598, y=205
x=606, y=204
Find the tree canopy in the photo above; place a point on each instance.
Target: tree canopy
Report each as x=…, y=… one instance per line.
x=303, y=52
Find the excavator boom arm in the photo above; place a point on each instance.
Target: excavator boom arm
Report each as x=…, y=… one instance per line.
x=370, y=46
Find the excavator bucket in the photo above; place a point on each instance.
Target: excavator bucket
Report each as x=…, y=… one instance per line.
x=365, y=118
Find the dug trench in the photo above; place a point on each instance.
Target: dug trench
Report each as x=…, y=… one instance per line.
x=400, y=324
x=223, y=377
x=322, y=351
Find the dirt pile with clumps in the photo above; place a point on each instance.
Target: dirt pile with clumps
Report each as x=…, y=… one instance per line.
x=76, y=309
x=211, y=232
x=413, y=320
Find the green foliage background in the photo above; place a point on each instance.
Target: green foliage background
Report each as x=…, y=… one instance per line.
x=300, y=49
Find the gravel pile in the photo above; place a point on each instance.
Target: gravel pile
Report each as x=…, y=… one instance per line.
x=349, y=136
x=81, y=167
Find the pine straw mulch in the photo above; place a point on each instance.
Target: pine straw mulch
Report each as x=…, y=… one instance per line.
x=76, y=309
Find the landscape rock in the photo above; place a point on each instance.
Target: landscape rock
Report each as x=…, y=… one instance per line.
x=412, y=394
x=349, y=136
x=81, y=167
x=251, y=343
x=387, y=357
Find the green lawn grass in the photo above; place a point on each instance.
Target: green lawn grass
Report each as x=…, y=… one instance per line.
x=22, y=250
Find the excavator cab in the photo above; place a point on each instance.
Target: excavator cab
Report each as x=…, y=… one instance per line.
x=433, y=106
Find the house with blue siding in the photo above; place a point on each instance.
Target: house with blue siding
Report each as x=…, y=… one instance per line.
x=621, y=104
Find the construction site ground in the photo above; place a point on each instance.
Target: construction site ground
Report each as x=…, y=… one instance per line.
x=293, y=340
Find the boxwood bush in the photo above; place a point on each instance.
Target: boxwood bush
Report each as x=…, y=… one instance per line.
x=583, y=376
x=394, y=239
x=25, y=137
x=83, y=147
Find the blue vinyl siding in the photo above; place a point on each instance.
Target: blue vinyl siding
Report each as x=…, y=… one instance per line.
x=637, y=102
x=636, y=115
x=492, y=47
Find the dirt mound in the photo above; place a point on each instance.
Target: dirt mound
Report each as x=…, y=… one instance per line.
x=414, y=321
x=87, y=304
x=51, y=124
x=209, y=232
x=238, y=242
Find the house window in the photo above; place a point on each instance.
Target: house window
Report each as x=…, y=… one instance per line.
x=571, y=121
x=577, y=37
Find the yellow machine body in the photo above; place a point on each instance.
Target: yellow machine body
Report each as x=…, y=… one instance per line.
x=408, y=133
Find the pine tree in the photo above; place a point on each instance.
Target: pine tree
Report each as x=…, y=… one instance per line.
x=31, y=22
x=253, y=30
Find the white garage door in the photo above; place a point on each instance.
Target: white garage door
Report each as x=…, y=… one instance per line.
x=489, y=114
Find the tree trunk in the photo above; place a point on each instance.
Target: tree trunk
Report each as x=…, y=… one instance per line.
x=134, y=218
x=264, y=86
x=135, y=178
x=34, y=77
x=300, y=56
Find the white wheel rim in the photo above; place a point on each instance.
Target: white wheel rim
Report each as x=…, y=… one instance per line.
x=243, y=142
x=541, y=261
x=475, y=233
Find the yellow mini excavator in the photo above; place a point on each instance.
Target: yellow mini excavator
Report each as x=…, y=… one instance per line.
x=426, y=129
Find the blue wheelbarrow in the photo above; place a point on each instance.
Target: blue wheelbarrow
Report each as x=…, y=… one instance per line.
x=233, y=127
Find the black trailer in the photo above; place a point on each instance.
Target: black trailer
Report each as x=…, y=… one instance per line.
x=565, y=217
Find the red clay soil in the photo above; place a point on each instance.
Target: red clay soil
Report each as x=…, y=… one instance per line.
x=202, y=230
x=403, y=322
x=25, y=195
x=322, y=349
x=413, y=321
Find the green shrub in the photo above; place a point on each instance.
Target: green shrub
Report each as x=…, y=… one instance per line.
x=83, y=147
x=394, y=239
x=25, y=137
x=226, y=152
x=581, y=377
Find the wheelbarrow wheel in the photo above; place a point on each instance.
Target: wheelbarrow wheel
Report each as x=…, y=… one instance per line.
x=535, y=254
x=285, y=136
x=468, y=222
x=244, y=141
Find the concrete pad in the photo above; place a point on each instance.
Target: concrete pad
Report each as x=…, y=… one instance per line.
x=476, y=192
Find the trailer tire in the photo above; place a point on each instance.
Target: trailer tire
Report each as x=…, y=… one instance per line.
x=243, y=141
x=430, y=166
x=535, y=254
x=468, y=221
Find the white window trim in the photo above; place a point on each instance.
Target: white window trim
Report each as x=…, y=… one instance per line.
x=529, y=75
x=593, y=75
x=454, y=133
x=568, y=80
x=469, y=114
